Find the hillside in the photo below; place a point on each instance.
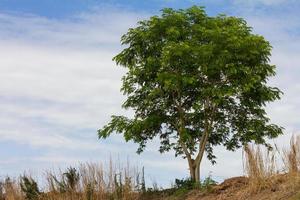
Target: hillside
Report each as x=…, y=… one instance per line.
x=281, y=187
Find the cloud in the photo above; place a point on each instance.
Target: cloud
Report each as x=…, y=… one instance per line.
x=101, y=26
x=285, y=39
x=60, y=72
x=58, y=85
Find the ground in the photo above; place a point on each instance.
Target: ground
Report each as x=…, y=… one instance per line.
x=280, y=187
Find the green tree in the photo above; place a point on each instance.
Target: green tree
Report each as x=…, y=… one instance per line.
x=195, y=82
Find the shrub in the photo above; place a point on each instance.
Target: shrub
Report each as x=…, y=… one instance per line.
x=208, y=183
x=184, y=183
x=30, y=188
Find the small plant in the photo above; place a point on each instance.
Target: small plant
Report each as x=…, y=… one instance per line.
x=184, y=183
x=72, y=178
x=208, y=183
x=30, y=188
x=189, y=184
x=68, y=182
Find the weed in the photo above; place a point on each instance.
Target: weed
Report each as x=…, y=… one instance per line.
x=30, y=188
x=208, y=183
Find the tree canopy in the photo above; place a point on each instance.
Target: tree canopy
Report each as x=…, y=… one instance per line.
x=195, y=82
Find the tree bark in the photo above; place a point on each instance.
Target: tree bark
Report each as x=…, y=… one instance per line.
x=192, y=172
x=194, y=164
x=194, y=169
x=197, y=173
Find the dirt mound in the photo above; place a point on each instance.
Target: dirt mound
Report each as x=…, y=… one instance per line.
x=231, y=184
x=279, y=187
x=238, y=188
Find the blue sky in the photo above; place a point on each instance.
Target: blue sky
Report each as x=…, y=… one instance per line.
x=65, y=8
x=58, y=84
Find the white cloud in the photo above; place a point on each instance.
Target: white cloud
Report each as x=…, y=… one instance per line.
x=99, y=27
x=60, y=71
x=58, y=85
x=283, y=34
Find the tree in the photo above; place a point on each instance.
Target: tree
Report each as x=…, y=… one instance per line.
x=195, y=82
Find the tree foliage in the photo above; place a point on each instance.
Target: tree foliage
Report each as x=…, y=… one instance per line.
x=195, y=82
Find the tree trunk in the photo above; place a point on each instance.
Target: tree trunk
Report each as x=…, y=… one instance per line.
x=196, y=163
x=194, y=168
x=197, y=172
x=192, y=173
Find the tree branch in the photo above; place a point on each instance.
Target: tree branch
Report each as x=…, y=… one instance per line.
x=204, y=138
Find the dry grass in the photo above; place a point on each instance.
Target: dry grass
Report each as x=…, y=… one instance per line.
x=86, y=182
x=270, y=175
x=260, y=167
x=292, y=156
x=291, y=159
x=266, y=179
x=263, y=172
x=10, y=190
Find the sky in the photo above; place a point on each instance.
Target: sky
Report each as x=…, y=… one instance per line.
x=58, y=83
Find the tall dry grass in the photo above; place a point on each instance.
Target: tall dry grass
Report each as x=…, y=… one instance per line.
x=265, y=172
x=10, y=189
x=291, y=160
x=89, y=181
x=260, y=166
x=292, y=156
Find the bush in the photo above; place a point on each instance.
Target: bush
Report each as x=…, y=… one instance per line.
x=68, y=182
x=208, y=183
x=30, y=188
x=184, y=183
x=189, y=184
